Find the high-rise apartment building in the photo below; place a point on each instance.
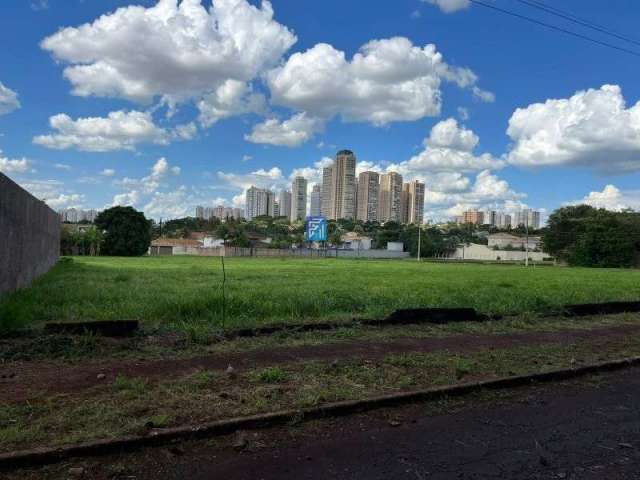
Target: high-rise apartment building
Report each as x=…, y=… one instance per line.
x=503, y=220
x=473, y=216
x=412, y=202
x=368, y=187
x=259, y=202
x=316, y=201
x=404, y=204
x=90, y=215
x=355, y=197
x=527, y=217
x=338, y=193
x=389, y=197
x=73, y=215
x=221, y=212
x=343, y=186
x=490, y=218
x=237, y=213
x=299, y=199
x=284, y=201
x=326, y=191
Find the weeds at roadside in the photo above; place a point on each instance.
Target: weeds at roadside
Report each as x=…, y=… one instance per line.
x=131, y=385
x=463, y=368
x=270, y=375
x=133, y=405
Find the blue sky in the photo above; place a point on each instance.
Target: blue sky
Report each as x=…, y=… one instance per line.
x=168, y=105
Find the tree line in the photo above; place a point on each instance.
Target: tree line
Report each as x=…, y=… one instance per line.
x=590, y=237
x=576, y=235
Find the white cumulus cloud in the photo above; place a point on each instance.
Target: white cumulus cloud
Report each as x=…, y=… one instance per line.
x=289, y=133
x=53, y=193
x=387, y=80
x=14, y=165
x=450, y=6
x=486, y=192
x=65, y=201
x=261, y=178
x=612, y=198
x=593, y=128
x=127, y=199
x=176, y=49
x=449, y=148
x=168, y=204
x=120, y=130
x=229, y=99
x=8, y=100
x=159, y=173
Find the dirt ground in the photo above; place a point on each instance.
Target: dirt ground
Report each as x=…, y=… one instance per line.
x=585, y=429
x=22, y=380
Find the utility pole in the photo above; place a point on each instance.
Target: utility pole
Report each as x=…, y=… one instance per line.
x=526, y=229
x=419, y=242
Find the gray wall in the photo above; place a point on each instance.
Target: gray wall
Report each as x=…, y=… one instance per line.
x=275, y=252
x=29, y=236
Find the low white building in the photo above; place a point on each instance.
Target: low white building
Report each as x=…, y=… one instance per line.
x=355, y=241
x=174, y=246
x=506, y=240
x=474, y=251
x=212, y=242
x=395, y=246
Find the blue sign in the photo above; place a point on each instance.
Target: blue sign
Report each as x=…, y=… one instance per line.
x=317, y=229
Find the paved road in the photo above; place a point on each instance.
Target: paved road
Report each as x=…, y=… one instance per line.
x=583, y=430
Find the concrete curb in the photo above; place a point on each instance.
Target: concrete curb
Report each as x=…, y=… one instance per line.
x=409, y=316
x=43, y=456
x=435, y=316
x=414, y=316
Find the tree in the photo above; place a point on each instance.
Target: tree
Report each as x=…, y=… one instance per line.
x=432, y=242
x=389, y=232
x=335, y=232
x=585, y=236
x=605, y=242
x=74, y=241
x=127, y=232
x=564, y=227
x=233, y=234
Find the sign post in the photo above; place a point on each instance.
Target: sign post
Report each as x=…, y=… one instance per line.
x=317, y=229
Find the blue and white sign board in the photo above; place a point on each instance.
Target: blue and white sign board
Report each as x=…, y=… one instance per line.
x=317, y=229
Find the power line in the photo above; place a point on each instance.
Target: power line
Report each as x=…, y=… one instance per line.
x=554, y=27
x=575, y=19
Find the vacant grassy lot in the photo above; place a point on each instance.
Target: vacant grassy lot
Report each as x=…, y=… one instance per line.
x=185, y=292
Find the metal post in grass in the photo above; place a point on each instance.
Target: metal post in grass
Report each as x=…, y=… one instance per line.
x=224, y=298
x=526, y=229
x=419, y=241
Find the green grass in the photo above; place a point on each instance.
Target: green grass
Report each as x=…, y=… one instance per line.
x=270, y=375
x=184, y=293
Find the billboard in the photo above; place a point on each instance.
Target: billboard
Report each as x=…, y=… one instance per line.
x=317, y=230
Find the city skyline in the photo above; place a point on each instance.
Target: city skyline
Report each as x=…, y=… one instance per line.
x=479, y=129
x=378, y=197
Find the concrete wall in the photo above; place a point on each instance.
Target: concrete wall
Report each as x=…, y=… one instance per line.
x=373, y=253
x=274, y=252
x=29, y=236
x=395, y=246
